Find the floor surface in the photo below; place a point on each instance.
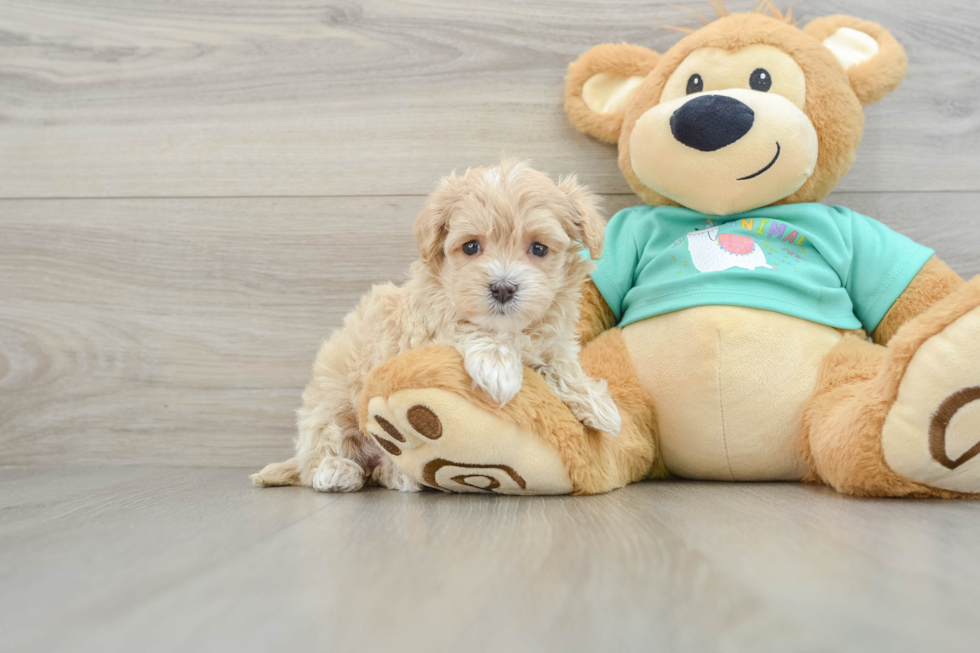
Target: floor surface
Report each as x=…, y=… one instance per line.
x=187, y=559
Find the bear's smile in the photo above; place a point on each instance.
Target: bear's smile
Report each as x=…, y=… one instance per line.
x=768, y=165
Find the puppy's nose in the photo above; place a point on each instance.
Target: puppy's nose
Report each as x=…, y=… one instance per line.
x=503, y=291
x=710, y=122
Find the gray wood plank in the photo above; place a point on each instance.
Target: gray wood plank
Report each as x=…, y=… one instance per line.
x=106, y=98
x=182, y=331
x=163, y=559
x=178, y=331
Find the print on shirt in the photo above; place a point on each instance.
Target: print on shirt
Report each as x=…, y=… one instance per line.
x=711, y=252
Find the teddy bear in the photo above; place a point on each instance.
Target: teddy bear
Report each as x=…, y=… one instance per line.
x=746, y=331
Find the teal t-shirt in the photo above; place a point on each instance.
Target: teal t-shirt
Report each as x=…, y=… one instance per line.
x=826, y=264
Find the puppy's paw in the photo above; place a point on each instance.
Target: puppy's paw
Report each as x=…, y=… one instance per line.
x=596, y=409
x=337, y=474
x=496, y=370
x=389, y=476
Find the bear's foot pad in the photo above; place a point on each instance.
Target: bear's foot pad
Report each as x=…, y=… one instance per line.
x=440, y=440
x=932, y=432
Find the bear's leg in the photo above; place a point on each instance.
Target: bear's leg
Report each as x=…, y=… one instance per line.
x=422, y=409
x=902, y=420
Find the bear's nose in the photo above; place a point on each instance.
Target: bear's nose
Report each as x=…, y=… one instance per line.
x=710, y=122
x=503, y=291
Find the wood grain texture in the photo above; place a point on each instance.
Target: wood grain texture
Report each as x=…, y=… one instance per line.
x=109, y=98
x=164, y=559
x=178, y=331
x=182, y=331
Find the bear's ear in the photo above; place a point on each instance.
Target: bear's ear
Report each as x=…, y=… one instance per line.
x=875, y=62
x=599, y=84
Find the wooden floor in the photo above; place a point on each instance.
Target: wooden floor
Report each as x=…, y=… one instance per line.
x=194, y=193
x=168, y=559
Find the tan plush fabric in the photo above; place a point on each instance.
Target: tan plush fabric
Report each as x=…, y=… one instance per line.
x=729, y=384
x=851, y=47
x=596, y=316
x=933, y=282
x=857, y=386
x=667, y=166
x=942, y=367
x=834, y=96
x=455, y=450
x=877, y=77
x=594, y=462
x=604, y=93
x=830, y=104
x=620, y=61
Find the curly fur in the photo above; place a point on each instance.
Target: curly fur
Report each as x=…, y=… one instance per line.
x=446, y=300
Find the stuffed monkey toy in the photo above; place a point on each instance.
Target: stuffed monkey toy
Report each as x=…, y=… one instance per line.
x=731, y=313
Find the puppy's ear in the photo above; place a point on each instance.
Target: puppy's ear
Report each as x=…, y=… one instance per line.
x=432, y=222
x=875, y=62
x=599, y=84
x=584, y=221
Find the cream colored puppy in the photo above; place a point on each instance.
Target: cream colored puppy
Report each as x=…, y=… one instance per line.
x=499, y=279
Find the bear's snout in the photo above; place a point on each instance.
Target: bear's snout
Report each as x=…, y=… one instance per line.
x=710, y=122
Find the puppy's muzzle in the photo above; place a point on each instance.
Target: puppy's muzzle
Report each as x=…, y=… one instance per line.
x=503, y=291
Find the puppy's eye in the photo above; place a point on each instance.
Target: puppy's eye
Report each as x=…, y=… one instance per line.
x=695, y=84
x=471, y=248
x=760, y=80
x=539, y=250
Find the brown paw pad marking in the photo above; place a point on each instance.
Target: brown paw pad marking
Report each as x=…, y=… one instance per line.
x=940, y=422
x=389, y=428
x=425, y=421
x=490, y=472
x=390, y=447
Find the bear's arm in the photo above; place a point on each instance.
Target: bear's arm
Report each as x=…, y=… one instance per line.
x=932, y=283
x=595, y=316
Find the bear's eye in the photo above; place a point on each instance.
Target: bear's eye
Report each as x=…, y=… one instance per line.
x=539, y=250
x=472, y=247
x=695, y=84
x=760, y=80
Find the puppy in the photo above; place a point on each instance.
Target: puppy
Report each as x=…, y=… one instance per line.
x=499, y=279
